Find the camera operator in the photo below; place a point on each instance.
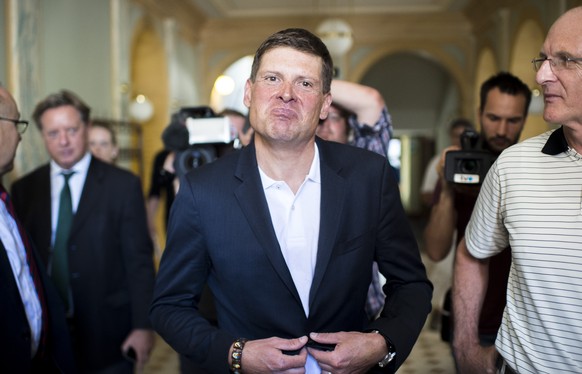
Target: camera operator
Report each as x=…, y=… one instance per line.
x=504, y=101
x=183, y=156
x=175, y=139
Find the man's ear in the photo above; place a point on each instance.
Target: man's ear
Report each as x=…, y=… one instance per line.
x=247, y=94
x=327, y=100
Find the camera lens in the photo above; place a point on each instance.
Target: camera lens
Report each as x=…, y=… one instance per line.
x=469, y=166
x=192, y=158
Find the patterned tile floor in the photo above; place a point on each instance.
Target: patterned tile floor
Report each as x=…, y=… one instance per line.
x=430, y=355
x=163, y=360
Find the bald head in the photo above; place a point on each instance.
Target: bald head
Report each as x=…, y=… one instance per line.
x=561, y=77
x=568, y=27
x=9, y=136
x=6, y=100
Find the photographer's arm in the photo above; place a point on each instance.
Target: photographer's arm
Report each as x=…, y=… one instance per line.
x=366, y=102
x=439, y=232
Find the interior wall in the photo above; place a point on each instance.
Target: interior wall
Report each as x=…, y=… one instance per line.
x=149, y=77
x=449, y=112
x=76, y=50
x=526, y=46
x=486, y=67
x=414, y=90
x=419, y=94
x=4, y=39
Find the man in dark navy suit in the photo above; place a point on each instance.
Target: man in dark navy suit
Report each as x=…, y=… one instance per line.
x=32, y=319
x=104, y=271
x=285, y=232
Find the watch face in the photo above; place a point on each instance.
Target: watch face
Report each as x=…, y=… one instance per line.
x=386, y=360
x=390, y=356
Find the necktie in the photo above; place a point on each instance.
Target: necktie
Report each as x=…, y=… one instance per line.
x=32, y=266
x=60, y=261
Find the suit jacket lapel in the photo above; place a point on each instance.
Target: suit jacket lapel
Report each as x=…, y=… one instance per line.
x=333, y=189
x=252, y=201
x=43, y=185
x=89, y=195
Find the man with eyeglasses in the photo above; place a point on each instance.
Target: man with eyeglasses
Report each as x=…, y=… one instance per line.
x=503, y=103
x=21, y=125
x=32, y=319
x=531, y=200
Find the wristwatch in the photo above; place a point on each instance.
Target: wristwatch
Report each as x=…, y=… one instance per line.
x=391, y=352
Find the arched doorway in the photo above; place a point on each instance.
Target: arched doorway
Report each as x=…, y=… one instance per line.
x=422, y=98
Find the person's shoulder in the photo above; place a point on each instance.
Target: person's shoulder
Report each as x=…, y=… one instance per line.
x=527, y=148
x=111, y=170
x=32, y=176
x=223, y=165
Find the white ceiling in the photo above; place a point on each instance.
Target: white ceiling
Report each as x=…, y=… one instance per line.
x=263, y=8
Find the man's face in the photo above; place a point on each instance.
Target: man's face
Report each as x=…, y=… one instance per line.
x=101, y=145
x=286, y=100
x=562, y=88
x=9, y=137
x=334, y=127
x=502, y=119
x=64, y=135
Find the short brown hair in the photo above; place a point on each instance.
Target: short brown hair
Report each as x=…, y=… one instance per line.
x=303, y=41
x=56, y=100
x=108, y=127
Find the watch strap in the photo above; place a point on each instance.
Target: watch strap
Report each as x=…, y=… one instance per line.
x=391, y=351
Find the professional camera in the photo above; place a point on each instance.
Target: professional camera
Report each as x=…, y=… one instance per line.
x=471, y=163
x=197, y=136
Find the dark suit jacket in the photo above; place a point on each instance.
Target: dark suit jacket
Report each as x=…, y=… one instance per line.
x=110, y=256
x=15, y=353
x=220, y=230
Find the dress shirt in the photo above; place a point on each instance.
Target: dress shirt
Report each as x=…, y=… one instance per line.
x=295, y=219
x=76, y=183
x=373, y=138
x=16, y=252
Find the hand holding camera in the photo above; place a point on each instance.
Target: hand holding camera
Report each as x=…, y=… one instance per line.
x=470, y=164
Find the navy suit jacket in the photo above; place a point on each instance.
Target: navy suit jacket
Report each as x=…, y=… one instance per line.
x=15, y=352
x=220, y=231
x=110, y=256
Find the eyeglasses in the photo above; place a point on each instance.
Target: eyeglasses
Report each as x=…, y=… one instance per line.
x=556, y=64
x=21, y=125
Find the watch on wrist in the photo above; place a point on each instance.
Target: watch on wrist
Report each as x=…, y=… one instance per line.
x=391, y=352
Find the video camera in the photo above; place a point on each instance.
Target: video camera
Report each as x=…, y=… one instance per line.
x=471, y=164
x=197, y=136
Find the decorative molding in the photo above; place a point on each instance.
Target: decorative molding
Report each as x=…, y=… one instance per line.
x=189, y=18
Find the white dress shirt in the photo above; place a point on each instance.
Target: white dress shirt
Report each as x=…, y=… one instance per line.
x=76, y=183
x=16, y=252
x=295, y=219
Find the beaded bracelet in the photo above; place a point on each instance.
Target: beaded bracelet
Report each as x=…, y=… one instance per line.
x=236, y=355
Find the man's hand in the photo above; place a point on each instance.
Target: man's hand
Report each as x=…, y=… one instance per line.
x=142, y=342
x=266, y=356
x=355, y=352
x=473, y=358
